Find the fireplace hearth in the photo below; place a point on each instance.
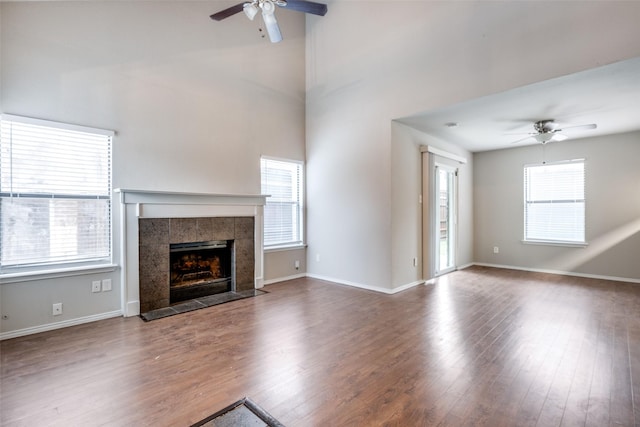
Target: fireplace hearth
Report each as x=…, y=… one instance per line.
x=200, y=269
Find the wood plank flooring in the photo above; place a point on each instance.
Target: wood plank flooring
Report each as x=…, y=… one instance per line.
x=481, y=347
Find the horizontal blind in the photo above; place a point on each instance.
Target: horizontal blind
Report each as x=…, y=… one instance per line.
x=555, y=202
x=282, y=181
x=55, y=189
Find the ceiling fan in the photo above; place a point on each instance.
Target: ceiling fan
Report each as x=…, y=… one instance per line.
x=548, y=131
x=268, y=8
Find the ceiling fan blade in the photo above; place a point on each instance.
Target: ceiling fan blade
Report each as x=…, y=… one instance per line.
x=223, y=14
x=306, y=7
x=520, y=133
x=589, y=126
x=522, y=139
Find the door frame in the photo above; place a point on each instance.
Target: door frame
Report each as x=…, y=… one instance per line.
x=430, y=155
x=453, y=215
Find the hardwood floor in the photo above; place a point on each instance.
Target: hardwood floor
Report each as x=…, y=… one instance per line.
x=482, y=347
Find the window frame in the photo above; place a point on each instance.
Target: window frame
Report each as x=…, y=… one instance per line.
x=293, y=244
x=51, y=268
x=526, y=201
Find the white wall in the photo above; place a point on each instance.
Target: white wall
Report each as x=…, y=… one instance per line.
x=612, y=187
x=194, y=104
x=369, y=62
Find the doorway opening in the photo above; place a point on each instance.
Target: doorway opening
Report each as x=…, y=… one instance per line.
x=445, y=222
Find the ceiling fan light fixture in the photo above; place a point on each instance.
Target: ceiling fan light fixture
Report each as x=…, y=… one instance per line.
x=544, y=137
x=251, y=10
x=270, y=22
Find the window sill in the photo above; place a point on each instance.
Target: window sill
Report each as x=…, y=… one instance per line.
x=284, y=248
x=556, y=243
x=28, y=276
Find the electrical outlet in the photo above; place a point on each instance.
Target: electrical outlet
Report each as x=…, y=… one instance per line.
x=415, y=262
x=296, y=264
x=95, y=286
x=317, y=257
x=57, y=309
x=106, y=285
x=496, y=250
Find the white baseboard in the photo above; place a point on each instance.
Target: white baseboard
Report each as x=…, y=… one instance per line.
x=283, y=279
x=132, y=309
x=563, y=273
x=59, y=325
x=462, y=267
x=367, y=287
x=133, y=306
x=345, y=282
x=407, y=286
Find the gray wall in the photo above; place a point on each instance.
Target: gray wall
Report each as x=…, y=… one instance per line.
x=406, y=176
x=369, y=62
x=612, y=187
x=184, y=93
x=194, y=104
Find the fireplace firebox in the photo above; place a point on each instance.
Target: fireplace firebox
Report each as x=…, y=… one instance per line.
x=200, y=269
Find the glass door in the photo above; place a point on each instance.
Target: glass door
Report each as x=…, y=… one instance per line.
x=445, y=218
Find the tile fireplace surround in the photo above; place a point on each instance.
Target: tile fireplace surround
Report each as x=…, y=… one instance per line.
x=155, y=235
x=150, y=221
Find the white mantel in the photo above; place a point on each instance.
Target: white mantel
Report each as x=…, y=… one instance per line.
x=135, y=204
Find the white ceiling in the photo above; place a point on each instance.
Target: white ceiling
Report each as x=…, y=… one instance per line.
x=608, y=96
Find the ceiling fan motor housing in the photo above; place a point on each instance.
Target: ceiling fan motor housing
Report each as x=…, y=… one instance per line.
x=545, y=126
x=252, y=7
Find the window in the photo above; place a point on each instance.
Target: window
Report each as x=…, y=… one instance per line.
x=55, y=194
x=554, y=202
x=282, y=181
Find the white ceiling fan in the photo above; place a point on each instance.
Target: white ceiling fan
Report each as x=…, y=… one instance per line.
x=548, y=130
x=268, y=8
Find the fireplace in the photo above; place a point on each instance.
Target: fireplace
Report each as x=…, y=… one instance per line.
x=151, y=221
x=182, y=259
x=200, y=269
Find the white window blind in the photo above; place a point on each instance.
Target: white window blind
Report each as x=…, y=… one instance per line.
x=55, y=193
x=554, y=202
x=282, y=181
